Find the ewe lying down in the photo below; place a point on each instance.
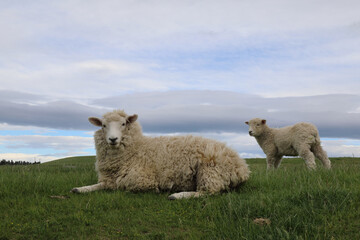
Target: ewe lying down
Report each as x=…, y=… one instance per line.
x=191, y=166
x=301, y=139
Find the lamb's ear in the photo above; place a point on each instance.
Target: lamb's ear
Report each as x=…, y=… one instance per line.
x=95, y=121
x=131, y=119
x=263, y=121
x=247, y=123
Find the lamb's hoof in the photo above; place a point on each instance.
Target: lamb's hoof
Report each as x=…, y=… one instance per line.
x=172, y=197
x=75, y=190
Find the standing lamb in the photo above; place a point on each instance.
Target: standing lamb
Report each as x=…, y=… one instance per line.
x=301, y=139
x=128, y=160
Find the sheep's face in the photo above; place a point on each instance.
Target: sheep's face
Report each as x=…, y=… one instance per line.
x=256, y=126
x=114, y=129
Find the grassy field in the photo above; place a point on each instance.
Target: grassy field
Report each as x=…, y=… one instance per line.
x=35, y=203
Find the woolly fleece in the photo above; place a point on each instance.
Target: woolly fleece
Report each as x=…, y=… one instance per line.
x=180, y=163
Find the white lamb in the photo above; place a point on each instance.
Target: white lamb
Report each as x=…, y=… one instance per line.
x=301, y=139
x=128, y=160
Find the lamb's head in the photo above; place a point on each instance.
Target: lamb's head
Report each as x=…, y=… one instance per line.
x=256, y=126
x=114, y=125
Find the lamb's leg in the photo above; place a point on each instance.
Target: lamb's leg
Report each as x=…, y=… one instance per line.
x=270, y=160
x=321, y=155
x=308, y=156
x=89, y=188
x=185, y=195
x=277, y=161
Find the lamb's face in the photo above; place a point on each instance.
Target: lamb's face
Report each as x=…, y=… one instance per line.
x=256, y=126
x=113, y=129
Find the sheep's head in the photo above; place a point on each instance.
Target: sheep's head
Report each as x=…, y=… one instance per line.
x=256, y=126
x=114, y=125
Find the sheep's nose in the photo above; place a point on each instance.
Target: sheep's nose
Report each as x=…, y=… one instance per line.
x=250, y=133
x=113, y=140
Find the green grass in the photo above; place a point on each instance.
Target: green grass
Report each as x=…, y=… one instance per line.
x=300, y=205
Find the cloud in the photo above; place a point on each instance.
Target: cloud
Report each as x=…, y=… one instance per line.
x=20, y=97
x=141, y=25
x=47, y=114
x=73, y=52
x=342, y=147
x=190, y=111
x=71, y=143
x=82, y=79
x=145, y=20
x=44, y=148
x=201, y=111
x=118, y=47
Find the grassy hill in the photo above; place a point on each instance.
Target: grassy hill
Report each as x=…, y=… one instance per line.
x=35, y=203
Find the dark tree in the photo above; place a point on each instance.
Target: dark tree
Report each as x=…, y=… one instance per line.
x=11, y=162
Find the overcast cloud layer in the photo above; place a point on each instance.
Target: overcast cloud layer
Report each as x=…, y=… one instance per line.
x=199, y=67
x=191, y=111
x=68, y=49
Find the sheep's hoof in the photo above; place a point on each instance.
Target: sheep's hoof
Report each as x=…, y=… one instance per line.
x=75, y=190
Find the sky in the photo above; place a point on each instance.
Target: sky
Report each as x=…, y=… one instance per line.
x=185, y=67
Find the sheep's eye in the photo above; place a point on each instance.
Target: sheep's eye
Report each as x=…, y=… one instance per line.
x=123, y=124
x=104, y=126
x=257, y=124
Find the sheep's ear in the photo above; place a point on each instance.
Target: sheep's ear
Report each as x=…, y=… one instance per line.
x=263, y=121
x=131, y=119
x=95, y=121
x=247, y=123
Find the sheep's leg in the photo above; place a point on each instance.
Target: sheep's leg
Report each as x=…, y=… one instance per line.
x=321, y=154
x=308, y=157
x=89, y=188
x=185, y=195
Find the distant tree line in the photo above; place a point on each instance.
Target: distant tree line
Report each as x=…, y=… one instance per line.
x=11, y=162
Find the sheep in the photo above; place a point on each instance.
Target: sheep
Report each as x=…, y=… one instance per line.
x=301, y=139
x=189, y=165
